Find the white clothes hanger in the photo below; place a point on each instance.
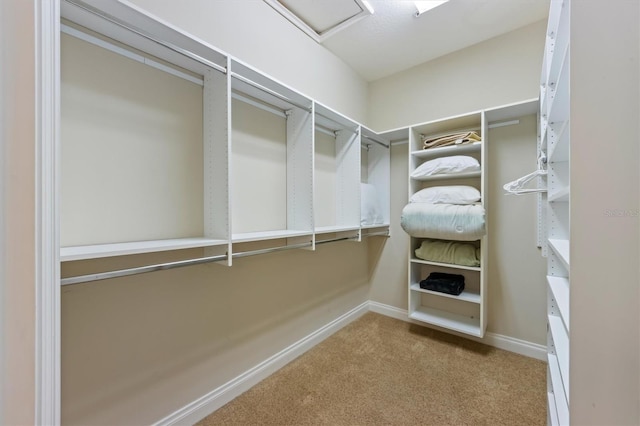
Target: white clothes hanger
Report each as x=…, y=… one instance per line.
x=516, y=187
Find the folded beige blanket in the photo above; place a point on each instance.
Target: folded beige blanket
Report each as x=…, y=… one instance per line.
x=465, y=254
x=453, y=139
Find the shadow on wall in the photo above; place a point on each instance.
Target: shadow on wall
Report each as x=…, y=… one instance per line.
x=195, y=328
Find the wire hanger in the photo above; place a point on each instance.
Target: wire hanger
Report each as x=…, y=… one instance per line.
x=516, y=187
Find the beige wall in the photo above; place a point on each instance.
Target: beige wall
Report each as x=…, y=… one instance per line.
x=17, y=219
x=136, y=349
x=131, y=155
x=499, y=71
x=253, y=32
x=517, y=270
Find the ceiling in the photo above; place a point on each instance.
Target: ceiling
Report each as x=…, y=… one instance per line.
x=393, y=39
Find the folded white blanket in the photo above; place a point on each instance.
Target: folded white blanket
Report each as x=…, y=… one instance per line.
x=444, y=221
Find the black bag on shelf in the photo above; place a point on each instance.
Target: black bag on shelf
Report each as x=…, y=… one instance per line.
x=443, y=283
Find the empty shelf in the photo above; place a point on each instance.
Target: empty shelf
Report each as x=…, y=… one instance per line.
x=268, y=235
x=336, y=228
x=137, y=247
x=561, y=344
x=560, y=195
x=559, y=396
x=561, y=248
x=448, y=320
x=559, y=288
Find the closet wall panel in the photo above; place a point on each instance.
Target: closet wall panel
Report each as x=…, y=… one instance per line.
x=131, y=160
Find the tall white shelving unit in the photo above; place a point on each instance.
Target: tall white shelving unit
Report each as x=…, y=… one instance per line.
x=555, y=139
x=134, y=35
x=465, y=313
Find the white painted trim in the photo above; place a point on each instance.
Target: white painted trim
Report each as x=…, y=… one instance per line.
x=47, y=267
x=215, y=399
x=511, y=344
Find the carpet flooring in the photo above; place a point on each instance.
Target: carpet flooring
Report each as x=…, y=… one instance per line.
x=383, y=371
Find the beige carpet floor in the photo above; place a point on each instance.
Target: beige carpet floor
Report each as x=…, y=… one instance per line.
x=383, y=371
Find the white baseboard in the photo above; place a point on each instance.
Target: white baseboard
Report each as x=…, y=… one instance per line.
x=207, y=404
x=511, y=344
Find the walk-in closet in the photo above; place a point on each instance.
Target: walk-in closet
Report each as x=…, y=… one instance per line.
x=303, y=212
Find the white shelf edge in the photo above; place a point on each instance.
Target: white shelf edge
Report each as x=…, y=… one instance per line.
x=446, y=265
x=553, y=411
x=559, y=397
x=336, y=228
x=558, y=147
x=561, y=195
x=447, y=150
x=465, y=296
x=375, y=225
x=96, y=251
x=561, y=248
x=268, y=235
x=561, y=343
x=447, y=320
x=559, y=288
x=451, y=176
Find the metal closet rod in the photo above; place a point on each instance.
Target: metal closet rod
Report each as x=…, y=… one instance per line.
x=342, y=126
x=129, y=54
x=269, y=91
x=141, y=33
x=182, y=263
x=140, y=270
x=376, y=141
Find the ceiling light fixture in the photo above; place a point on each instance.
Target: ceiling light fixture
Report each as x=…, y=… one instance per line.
x=425, y=5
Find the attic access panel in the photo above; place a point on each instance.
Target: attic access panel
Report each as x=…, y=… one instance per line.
x=320, y=19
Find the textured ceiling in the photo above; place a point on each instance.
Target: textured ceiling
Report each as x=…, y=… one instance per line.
x=393, y=39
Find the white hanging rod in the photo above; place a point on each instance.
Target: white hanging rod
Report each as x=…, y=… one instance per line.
x=170, y=265
x=140, y=270
x=144, y=34
x=333, y=240
x=128, y=54
x=376, y=141
x=503, y=123
x=260, y=105
x=325, y=130
x=190, y=262
x=269, y=91
x=338, y=124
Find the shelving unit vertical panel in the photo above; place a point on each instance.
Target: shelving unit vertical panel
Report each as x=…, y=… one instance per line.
x=300, y=156
x=347, y=178
x=555, y=130
x=379, y=169
x=217, y=148
x=484, y=242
